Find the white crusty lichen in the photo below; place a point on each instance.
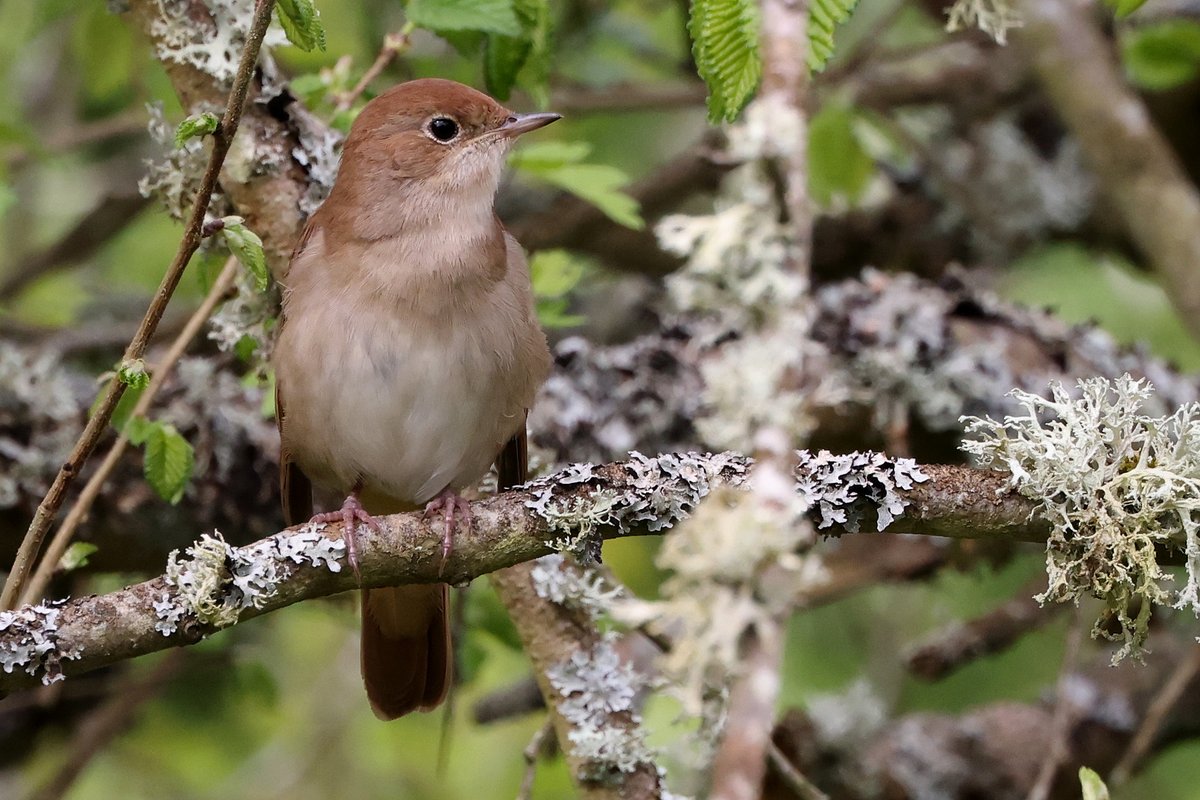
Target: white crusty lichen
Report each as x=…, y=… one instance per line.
x=212, y=45
x=994, y=17
x=1118, y=486
x=574, y=586
x=596, y=684
x=175, y=178
x=216, y=582
x=29, y=641
x=841, y=489
x=657, y=493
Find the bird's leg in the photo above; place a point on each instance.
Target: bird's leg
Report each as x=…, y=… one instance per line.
x=350, y=515
x=453, y=507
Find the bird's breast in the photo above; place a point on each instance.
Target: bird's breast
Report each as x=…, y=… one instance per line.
x=408, y=403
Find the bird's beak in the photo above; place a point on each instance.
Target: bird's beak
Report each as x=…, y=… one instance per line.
x=517, y=124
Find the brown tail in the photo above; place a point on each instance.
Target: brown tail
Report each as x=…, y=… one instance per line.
x=405, y=648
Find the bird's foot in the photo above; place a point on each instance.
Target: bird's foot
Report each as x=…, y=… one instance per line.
x=453, y=507
x=350, y=515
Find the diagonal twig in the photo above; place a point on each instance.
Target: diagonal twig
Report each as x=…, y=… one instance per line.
x=98, y=423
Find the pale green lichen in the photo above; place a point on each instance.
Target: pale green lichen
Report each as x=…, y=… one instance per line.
x=994, y=17
x=216, y=583
x=1118, y=485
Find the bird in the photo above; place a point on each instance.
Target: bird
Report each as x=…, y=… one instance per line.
x=408, y=352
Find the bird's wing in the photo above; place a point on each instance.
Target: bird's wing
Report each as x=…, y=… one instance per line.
x=295, y=489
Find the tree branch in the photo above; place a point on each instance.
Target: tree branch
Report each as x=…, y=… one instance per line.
x=510, y=529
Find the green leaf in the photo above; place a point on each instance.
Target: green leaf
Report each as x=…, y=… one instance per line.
x=1123, y=8
x=196, y=125
x=1162, y=55
x=301, y=22
x=559, y=164
x=838, y=166
x=503, y=57
x=124, y=409
x=490, y=16
x=134, y=374
x=76, y=556
x=138, y=429
x=1093, y=786
x=725, y=46
x=247, y=247
x=823, y=18
x=600, y=185
x=555, y=273
x=168, y=462
x=8, y=197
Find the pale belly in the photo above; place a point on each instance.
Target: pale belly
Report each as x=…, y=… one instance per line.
x=403, y=409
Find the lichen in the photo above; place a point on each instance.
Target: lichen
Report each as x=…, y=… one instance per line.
x=717, y=558
x=843, y=489
x=40, y=405
x=216, y=582
x=596, y=684
x=175, y=177
x=213, y=45
x=29, y=641
x=660, y=491
x=574, y=586
x=994, y=17
x=1117, y=483
x=739, y=257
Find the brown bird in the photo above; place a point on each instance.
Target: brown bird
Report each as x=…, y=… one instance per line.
x=409, y=351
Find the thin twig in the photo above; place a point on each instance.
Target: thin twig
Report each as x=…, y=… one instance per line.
x=1156, y=716
x=1063, y=713
x=98, y=423
x=793, y=777
x=83, y=504
x=533, y=753
x=393, y=45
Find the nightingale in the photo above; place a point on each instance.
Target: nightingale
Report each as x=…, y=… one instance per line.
x=409, y=352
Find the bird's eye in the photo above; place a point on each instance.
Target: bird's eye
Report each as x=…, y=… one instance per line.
x=443, y=128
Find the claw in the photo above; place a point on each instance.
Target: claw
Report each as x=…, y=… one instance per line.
x=350, y=516
x=453, y=507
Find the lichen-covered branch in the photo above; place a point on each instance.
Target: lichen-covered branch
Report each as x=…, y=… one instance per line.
x=214, y=585
x=589, y=691
x=1137, y=169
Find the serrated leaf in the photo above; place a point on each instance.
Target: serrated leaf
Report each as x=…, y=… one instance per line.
x=76, y=556
x=248, y=248
x=1092, y=785
x=489, y=16
x=196, y=125
x=725, y=45
x=824, y=16
x=134, y=374
x=301, y=23
x=168, y=461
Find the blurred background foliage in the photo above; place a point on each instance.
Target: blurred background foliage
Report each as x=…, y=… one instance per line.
x=274, y=708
